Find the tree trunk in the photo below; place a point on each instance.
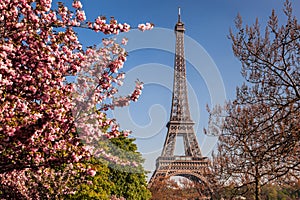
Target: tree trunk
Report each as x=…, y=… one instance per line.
x=257, y=188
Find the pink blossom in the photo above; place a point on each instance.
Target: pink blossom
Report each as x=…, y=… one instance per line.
x=89, y=182
x=91, y=172
x=149, y=26
x=126, y=132
x=46, y=5
x=80, y=15
x=126, y=27
x=143, y=27
x=77, y=4
x=124, y=41
x=134, y=164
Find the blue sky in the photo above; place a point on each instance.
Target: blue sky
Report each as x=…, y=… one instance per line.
x=212, y=71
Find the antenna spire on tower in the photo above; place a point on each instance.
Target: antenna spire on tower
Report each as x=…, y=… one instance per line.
x=179, y=15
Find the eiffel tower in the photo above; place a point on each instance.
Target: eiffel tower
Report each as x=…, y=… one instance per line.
x=192, y=165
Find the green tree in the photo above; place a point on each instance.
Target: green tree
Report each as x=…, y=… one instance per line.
x=97, y=187
x=114, y=179
x=129, y=180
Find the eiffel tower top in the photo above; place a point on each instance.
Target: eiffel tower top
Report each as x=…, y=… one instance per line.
x=180, y=25
x=180, y=112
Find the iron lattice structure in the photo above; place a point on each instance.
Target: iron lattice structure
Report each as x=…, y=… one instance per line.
x=192, y=165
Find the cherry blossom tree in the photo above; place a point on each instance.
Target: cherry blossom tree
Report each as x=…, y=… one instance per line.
x=40, y=122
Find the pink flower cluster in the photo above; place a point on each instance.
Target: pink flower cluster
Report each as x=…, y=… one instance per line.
x=91, y=171
x=96, y=86
x=144, y=27
x=77, y=4
x=137, y=92
x=112, y=28
x=80, y=15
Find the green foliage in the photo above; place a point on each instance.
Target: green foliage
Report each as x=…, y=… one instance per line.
x=128, y=181
x=272, y=191
x=97, y=187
